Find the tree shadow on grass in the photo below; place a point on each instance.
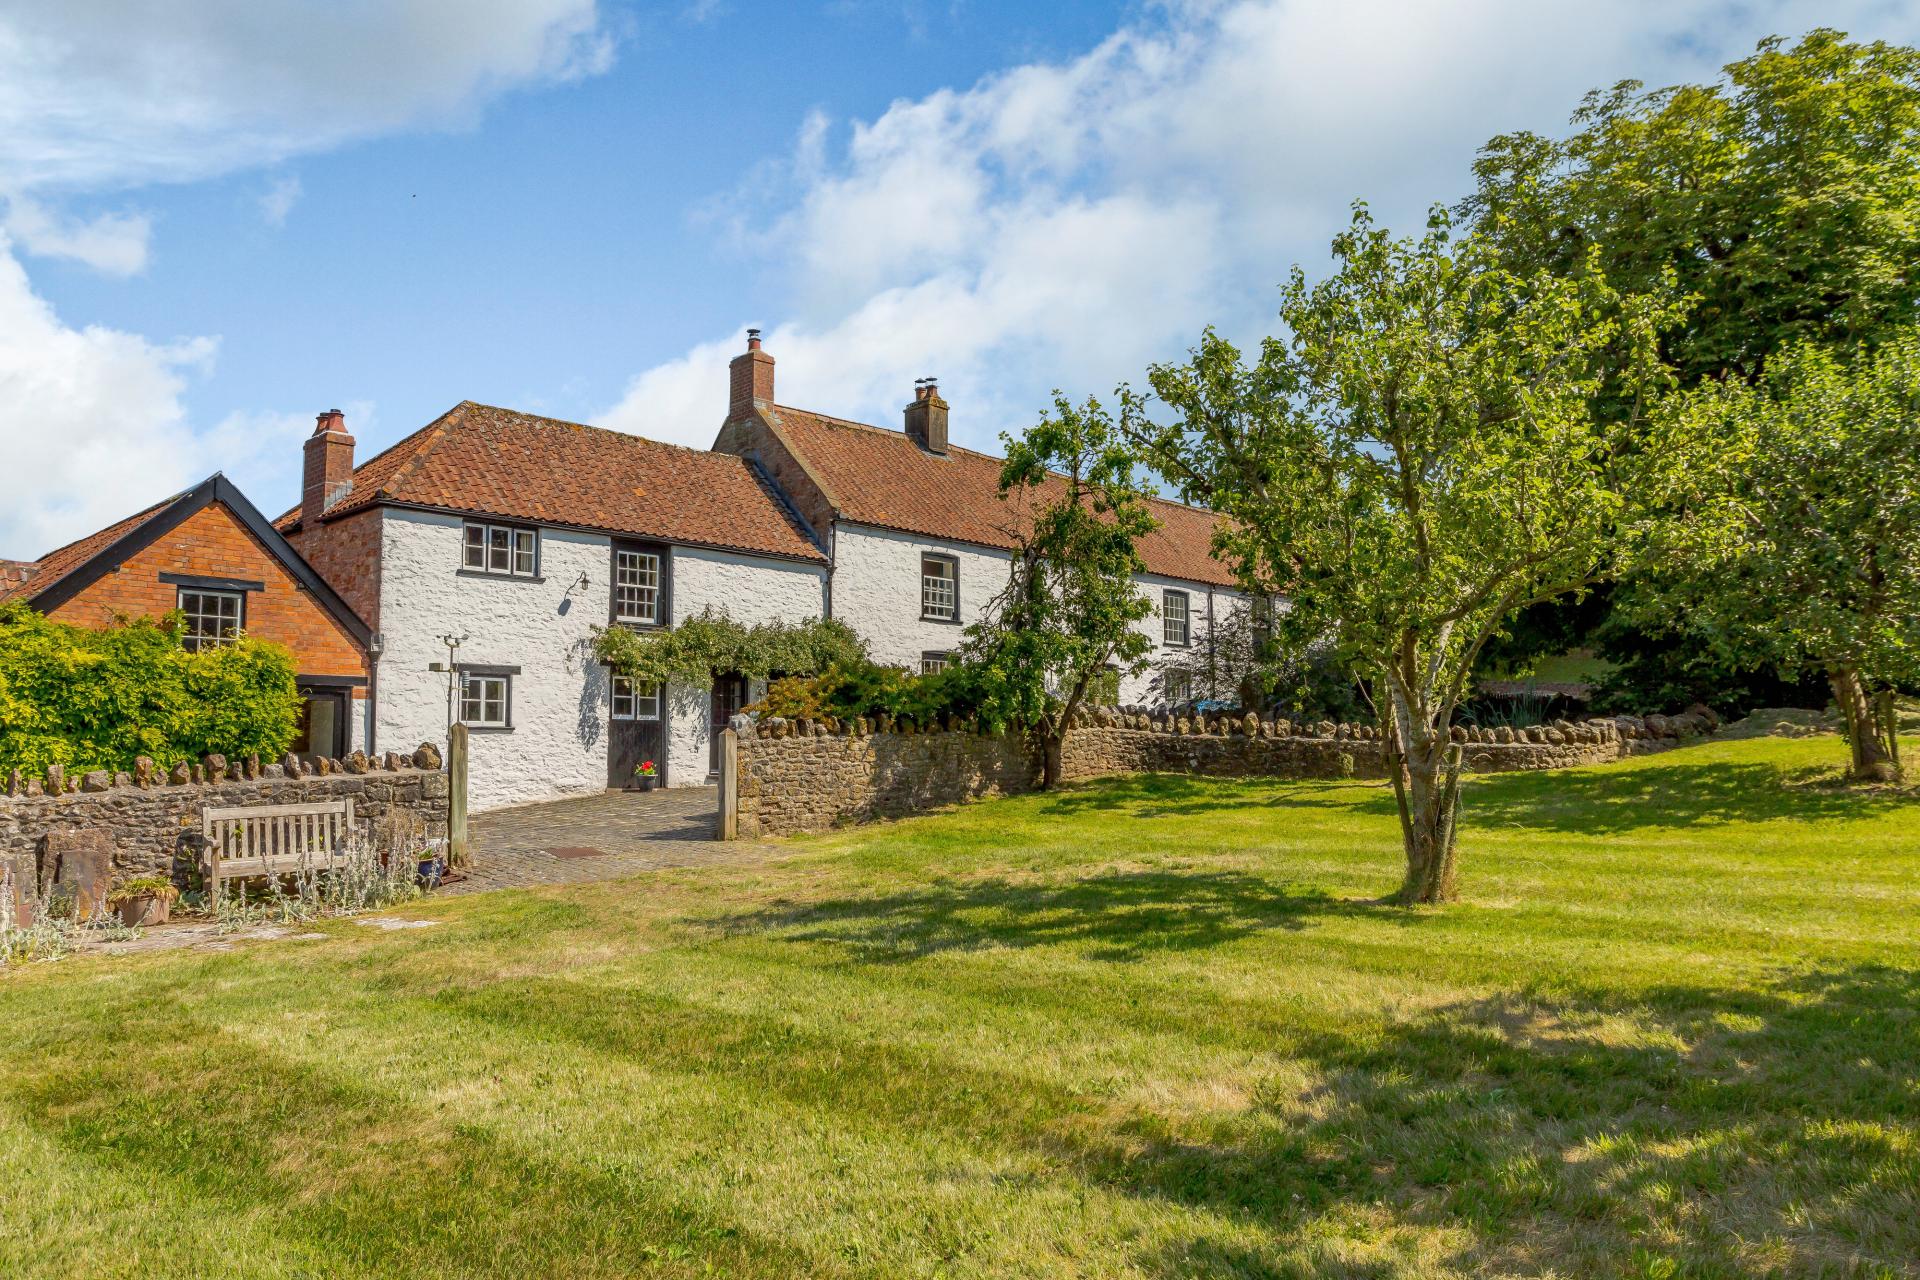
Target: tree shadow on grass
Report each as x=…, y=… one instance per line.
x=1167, y=795
x=1118, y=915
x=1672, y=793
x=1694, y=1132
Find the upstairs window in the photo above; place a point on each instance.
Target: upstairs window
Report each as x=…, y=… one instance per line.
x=1173, y=618
x=636, y=587
x=502, y=549
x=633, y=701
x=939, y=588
x=212, y=617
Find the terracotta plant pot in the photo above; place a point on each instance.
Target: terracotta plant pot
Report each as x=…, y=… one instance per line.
x=144, y=910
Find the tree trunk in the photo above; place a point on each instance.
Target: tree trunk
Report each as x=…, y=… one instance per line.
x=1052, y=749
x=1865, y=737
x=1428, y=793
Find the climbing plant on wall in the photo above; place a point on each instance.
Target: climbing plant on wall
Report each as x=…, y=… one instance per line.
x=712, y=643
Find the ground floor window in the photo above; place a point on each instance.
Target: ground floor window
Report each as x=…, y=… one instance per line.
x=934, y=660
x=1176, y=686
x=486, y=700
x=1104, y=689
x=635, y=701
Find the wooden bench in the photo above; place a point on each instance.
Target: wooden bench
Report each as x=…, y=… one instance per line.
x=274, y=839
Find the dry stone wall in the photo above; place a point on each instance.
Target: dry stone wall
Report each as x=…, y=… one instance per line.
x=802, y=776
x=799, y=777
x=152, y=819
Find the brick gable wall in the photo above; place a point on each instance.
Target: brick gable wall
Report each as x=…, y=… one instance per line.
x=346, y=552
x=212, y=543
x=750, y=438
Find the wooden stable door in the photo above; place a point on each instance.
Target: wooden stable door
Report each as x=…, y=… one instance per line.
x=729, y=695
x=637, y=731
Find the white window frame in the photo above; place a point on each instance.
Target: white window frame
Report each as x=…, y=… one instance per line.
x=934, y=586
x=1172, y=696
x=474, y=701
x=934, y=660
x=634, y=564
x=500, y=550
x=633, y=701
x=195, y=639
x=1170, y=625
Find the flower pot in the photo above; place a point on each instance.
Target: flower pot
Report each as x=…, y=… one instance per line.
x=144, y=910
x=430, y=871
x=644, y=782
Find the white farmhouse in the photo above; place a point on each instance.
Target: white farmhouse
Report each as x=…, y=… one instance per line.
x=920, y=540
x=485, y=549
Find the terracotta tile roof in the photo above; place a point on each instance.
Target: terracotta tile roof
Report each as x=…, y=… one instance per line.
x=24, y=578
x=488, y=461
x=880, y=477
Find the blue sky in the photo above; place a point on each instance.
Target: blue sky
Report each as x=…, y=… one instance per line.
x=222, y=216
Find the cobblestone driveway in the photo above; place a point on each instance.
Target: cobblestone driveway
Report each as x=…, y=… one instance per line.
x=598, y=837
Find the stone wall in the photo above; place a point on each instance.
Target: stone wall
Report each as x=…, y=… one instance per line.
x=800, y=776
x=153, y=822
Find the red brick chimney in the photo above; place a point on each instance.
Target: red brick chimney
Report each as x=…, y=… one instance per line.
x=328, y=474
x=927, y=416
x=749, y=379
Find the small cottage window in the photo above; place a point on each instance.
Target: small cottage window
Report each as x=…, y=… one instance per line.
x=1176, y=687
x=1173, y=618
x=939, y=588
x=486, y=701
x=501, y=549
x=636, y=586
x=633, y=701
x=212, y=617
x=934, y=660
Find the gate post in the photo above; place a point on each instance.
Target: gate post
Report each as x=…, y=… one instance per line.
x=729, y=785
x=457, y=796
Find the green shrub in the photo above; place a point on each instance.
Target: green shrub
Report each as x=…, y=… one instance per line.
x=711, y=643
x=848, y=690
x=86, y=699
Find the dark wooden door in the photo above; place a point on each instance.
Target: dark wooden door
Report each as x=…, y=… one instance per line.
x=324, y=726
x=637, y=731
x=729, y=695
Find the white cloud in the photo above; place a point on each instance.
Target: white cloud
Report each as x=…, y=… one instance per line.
x=1062, y=224
x=278, y=200
x=108, y=95
x=114, y=244
x=96, y=423
x=104, y=93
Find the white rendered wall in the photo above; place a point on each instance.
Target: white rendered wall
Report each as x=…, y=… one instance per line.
x=876, y=590
x=747, y=590
x=1206, y=606
x=558, y=743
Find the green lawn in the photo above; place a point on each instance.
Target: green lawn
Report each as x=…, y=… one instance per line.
x=1150, y=1028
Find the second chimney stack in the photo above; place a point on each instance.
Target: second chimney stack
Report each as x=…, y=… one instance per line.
x=927, y=416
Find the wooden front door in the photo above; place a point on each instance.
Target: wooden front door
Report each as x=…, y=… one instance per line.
x=637, y=731
x=325, y=724
x=729, y=695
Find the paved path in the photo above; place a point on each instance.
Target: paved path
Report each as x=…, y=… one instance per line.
x=597, y=837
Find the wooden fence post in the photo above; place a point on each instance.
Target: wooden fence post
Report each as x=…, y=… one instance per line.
x=729, y=785
x=457, y=796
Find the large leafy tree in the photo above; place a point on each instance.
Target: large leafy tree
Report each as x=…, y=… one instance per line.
x=1068, y=614
x=1414, y=463
x=1785, y=198
x=1804, y=537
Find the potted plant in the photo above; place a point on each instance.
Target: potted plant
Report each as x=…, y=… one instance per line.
x=143, y=900
x=645, y=776
x=430, y=865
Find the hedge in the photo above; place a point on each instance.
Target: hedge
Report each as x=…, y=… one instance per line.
x=87, y=699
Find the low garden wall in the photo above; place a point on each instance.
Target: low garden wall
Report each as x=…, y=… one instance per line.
x=152, y=820
x=799, y=776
